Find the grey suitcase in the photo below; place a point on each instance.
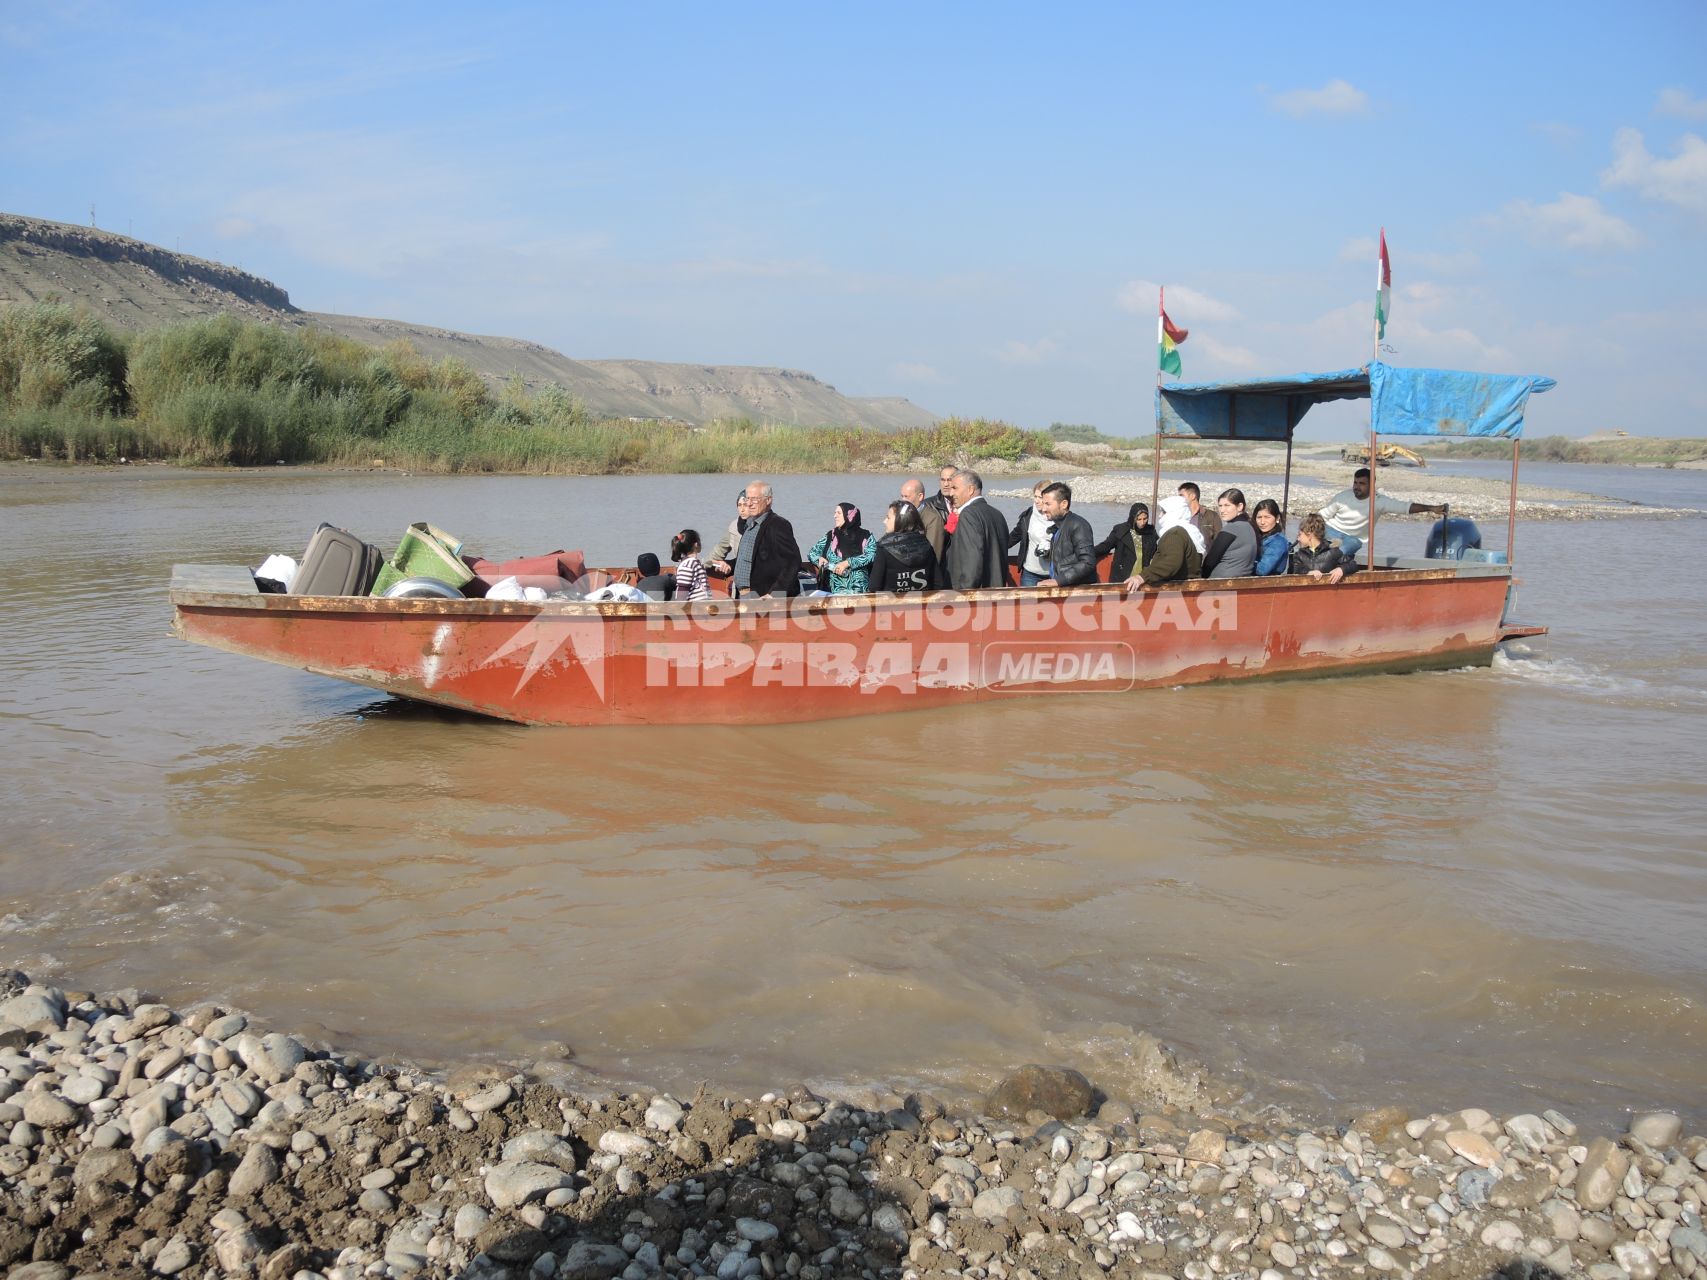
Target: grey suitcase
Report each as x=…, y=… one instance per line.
x=337, y=563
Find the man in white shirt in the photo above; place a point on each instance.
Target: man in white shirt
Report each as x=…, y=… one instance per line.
x=1347, y=512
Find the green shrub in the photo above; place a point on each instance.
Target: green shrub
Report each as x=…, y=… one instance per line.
x=52, y=354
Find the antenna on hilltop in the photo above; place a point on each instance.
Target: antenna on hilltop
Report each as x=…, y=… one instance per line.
x=91, y=215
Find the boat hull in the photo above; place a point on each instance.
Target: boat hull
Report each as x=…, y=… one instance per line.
x=763, y=662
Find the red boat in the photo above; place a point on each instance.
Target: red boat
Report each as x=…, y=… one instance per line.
x=766, y=661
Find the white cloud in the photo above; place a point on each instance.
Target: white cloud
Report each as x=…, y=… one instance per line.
x=1335, y=98
x=1360, y=249
x=1681, y=180
x=1226, y=353
x=910, y=371
x=1039, y=352
x=1682, y=104
x=1186, y=306
x=1576, y=222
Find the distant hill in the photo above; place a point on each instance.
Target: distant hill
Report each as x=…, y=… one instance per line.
x=135, y=285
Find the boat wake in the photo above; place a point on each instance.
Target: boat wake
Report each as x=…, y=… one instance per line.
x=1567, y=675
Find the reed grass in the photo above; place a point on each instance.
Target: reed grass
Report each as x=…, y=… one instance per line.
x=229, y=392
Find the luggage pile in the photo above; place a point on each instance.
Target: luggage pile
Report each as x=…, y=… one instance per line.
x=430, y=563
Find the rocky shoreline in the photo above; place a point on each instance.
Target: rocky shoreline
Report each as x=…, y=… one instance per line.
x=142, y=1140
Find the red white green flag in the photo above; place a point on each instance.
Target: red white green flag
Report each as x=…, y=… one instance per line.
x=1168, y=337
x=1383, y=289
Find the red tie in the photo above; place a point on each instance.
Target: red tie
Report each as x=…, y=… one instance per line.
x=953, y=519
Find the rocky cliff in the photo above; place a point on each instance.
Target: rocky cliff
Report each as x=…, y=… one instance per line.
x=135, y=285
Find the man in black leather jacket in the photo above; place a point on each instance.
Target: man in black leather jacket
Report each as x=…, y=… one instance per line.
x=1072, y=555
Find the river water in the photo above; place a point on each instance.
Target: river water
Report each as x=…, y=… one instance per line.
x=1477, y=887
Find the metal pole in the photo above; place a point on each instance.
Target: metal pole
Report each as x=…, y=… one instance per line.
x=1156, y=479
x=1286, y=488
x=1511, y=521
x=1374, y=475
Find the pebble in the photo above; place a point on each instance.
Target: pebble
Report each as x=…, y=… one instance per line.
x=488, y=1099
x=1474, y=1148
x=1530, y=1130
x=755, y=1230
x=259, y=1168
x=273, y=1057
x=513, y=1183
x=1507, y=1237
x=174, y=1256
x=50, y=1111
x=628, y=1146
x=1656, y=1129
x=664, y=1114
x=470, y=1221
x=993, y=1203
x=541, y=1147
x=1637, y=1262
x=1603, y=1168
x=224, y=1028
x=1283, y=1253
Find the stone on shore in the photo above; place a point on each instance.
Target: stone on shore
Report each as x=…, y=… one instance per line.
x=1601, y=1175
x=1057, y=1091
x=1657, y=1129
x=513, y=1183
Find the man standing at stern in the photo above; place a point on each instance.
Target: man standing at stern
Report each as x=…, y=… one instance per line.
x=1347, y=512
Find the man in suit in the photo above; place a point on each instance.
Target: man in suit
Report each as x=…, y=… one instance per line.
x=930, y=519
x=978, y=553
x=943, y=498
x=767, y=561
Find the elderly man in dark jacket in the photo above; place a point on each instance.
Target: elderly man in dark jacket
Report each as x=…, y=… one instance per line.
x=1072, y=554
x=767, y=561
x=977, y=554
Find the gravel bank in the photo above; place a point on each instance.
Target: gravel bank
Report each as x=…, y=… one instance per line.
x=1478, y=497
x=147, y=1141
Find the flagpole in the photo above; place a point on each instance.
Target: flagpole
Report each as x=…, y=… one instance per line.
x=1375, y=321
x=1156, y=465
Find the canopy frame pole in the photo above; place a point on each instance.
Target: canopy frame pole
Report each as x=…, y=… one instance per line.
x=1156, y=466
x=1511, y=519
x=1374, y=475
x=1286, y=487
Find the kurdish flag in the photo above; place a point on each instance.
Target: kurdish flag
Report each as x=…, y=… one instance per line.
x=1383, y=289
x=1168, y=337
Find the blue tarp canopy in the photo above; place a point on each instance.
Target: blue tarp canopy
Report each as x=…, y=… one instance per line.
x=1403, y=402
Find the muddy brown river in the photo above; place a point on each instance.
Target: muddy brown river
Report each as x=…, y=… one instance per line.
x=1480, y=887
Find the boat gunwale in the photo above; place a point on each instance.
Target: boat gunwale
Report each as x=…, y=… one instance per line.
x=185, y=596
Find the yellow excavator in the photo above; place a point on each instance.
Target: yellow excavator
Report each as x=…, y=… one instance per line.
x=1390, y=455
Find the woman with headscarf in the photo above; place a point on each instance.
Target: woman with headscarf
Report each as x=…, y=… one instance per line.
x=844, y=553
x=1179, y=548
x=1133, y=542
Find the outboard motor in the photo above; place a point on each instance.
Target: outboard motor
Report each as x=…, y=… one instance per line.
x=1450, y=537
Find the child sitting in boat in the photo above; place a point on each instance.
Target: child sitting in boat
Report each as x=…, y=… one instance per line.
x=1314, y=555
x=690, y=569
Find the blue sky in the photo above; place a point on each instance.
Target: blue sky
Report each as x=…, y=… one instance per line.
x=965, y=204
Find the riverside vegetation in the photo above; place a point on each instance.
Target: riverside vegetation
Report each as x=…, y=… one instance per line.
x=229, y=392
x=141, y=1140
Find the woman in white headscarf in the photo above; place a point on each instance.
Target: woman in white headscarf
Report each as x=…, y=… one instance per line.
x=1179, y=548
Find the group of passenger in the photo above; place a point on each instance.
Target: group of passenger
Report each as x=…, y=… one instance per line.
x=955, y=539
